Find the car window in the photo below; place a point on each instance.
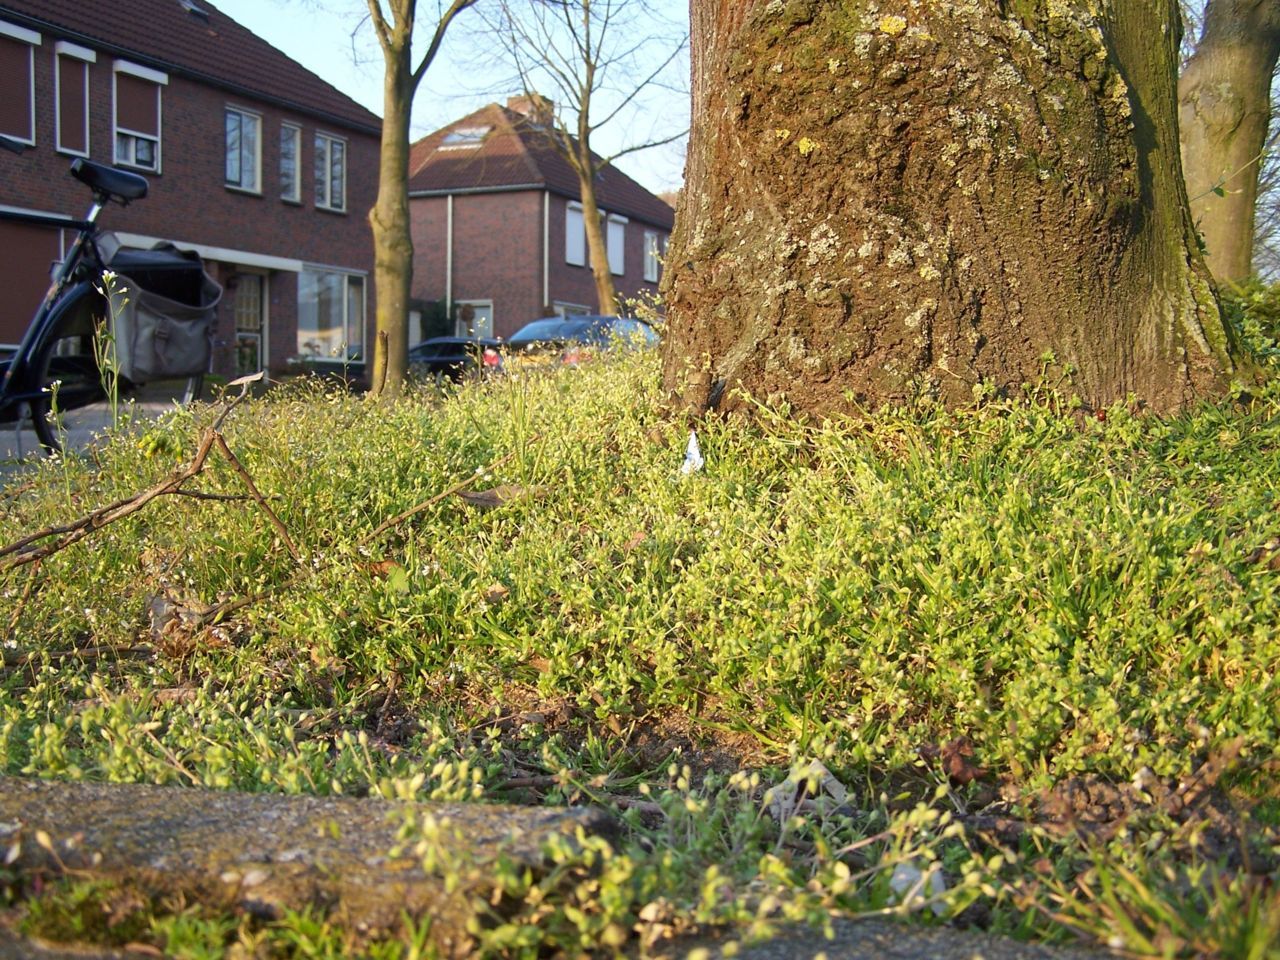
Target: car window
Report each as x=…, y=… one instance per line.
x=550, y=329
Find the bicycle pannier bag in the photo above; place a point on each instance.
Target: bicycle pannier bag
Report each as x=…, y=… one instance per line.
x=163, y=313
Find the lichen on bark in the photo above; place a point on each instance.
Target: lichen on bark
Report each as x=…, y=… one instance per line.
x=914, y=196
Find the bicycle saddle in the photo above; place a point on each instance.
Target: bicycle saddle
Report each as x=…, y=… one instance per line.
x=108, y=181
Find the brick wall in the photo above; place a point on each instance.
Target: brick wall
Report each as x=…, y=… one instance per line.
x=498, y=255
x=188, y=201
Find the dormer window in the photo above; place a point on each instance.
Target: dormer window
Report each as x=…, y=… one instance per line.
x=464, y=138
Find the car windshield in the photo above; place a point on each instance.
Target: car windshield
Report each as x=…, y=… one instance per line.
x=553, y=328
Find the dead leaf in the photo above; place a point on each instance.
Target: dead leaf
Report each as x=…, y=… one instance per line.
x=381, y=568
x=497, y=496
x=176, y=695
x=497, y=593
x=658, y=436
x=637, y=538
x=956, y=760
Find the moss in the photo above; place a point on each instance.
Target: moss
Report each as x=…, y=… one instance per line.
x=95, y=911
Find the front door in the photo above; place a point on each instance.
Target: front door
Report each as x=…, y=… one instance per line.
x=250, y=306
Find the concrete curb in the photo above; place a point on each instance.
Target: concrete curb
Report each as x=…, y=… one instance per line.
x=264, y=853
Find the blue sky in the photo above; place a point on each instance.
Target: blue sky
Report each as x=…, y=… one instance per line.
x=319, y=35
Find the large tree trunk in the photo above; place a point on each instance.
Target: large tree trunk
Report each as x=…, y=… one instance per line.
x=392, y=241
x=931, y=197
x=1224, y=99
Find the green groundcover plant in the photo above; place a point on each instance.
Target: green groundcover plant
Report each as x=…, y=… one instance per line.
x=910, y=663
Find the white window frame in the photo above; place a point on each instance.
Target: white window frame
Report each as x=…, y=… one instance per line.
x=326, y=203
x=32, y=40
x=347, y=276
x=566, y=309
x=160, y=80
x=296, y=129
x=85, y=56
x=575, y=239
x=244, y=115
x=652, y=256
x=617, y=253
x=468, y=138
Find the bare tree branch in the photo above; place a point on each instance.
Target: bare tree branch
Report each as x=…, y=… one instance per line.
x=590, y=53
x=455, y=8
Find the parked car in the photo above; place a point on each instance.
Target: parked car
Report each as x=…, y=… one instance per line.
x=455, y=357
x=571, y=340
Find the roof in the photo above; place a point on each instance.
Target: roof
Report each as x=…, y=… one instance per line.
x=207, y=46
x=516, y=154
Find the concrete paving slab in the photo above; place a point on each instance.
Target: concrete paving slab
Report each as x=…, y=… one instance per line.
x=265, y=852
x=874, y=939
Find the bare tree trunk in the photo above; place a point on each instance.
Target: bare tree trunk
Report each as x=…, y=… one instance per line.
x=1224, y=99
x=392, y=240
x=389, y=218
x=895, y=200
x=598, y=249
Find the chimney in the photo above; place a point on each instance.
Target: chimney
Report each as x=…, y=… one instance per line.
x=535, y=106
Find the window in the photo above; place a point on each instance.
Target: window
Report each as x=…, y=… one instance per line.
x=137, y=115
x=474, y=318
x=330, y=314
x=575, y=237
x=290, y=154
x=331, y=172
x=71, y=82
x=18, y=81
x=464, y=138
x=616, y=241
x=652, y=256
x=244, y=150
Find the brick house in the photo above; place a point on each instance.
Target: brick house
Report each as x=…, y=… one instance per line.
x=254, y=161
x=497, y=226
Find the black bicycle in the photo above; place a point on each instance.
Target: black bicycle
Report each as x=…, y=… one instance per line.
x=157, y=313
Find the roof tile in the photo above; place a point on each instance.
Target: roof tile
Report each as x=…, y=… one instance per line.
x=164, y=33
x=516, y=154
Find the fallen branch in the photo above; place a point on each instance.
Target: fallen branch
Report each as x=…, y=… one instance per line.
x=432, y=501
x=82, y=654
x=30, y=549
x=21, y=605
x=217, y=611
x=24, y=550
x=18, y=490
x=258, y=497
x=219, y=497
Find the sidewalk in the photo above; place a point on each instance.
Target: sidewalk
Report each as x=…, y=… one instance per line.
x=85, y=426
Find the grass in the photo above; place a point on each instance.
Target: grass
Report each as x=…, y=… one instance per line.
x=963, y=616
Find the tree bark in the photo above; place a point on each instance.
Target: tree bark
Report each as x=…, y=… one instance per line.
x=598, y=249
x=895, y=200
x=1224, y=108
x=392, y=238
x=389, y=218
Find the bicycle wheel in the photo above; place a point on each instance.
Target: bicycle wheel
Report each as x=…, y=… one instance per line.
x=65, y=369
